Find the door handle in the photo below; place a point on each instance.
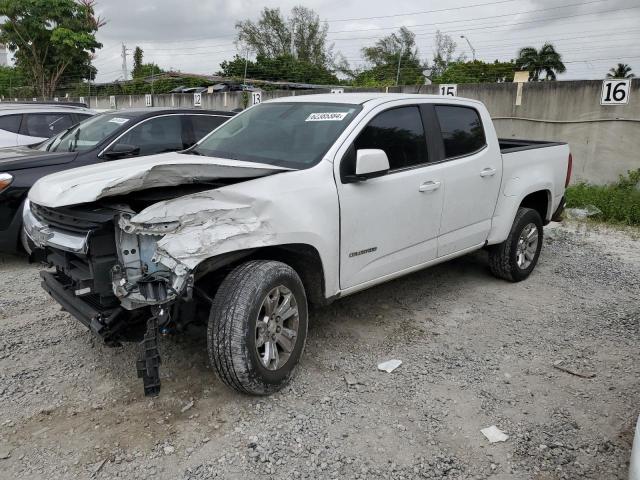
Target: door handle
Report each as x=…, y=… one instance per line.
x=429, y=186
x=488, y=172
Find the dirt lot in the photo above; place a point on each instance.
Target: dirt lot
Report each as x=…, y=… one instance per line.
x=476, y=352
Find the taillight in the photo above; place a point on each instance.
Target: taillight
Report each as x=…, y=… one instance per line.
x=5, y=180
x=569, y=169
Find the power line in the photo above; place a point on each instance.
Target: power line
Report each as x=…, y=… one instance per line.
x=472, y=19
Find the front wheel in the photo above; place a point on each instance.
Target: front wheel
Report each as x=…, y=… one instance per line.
x=516, y=257
x=258, y=327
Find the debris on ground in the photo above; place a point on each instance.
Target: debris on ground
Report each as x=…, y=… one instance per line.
x=389, y=366
x=187, y=406
x=582, y=213
x=494, y=434
x=558, y=365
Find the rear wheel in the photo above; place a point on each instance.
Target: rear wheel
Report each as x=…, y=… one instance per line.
x=516, y=257
x=258, y=327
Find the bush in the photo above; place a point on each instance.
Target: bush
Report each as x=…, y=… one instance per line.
x=619, y=202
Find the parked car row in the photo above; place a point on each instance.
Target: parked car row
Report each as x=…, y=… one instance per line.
x=97, y=139
x=294, y=201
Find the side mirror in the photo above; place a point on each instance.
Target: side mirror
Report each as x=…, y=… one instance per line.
x=121, y=150
x=370, y=163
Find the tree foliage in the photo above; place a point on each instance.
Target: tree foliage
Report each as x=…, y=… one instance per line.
x=622, y=70
x=12, y=83
x=271, y=36
x=283, y=67
x=444, y=54
x=141, y=69
x=546, y=60
x=397, y=49
x=50, y=38
x=477, y=71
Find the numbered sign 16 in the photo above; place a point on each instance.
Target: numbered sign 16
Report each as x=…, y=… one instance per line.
x=148, y=100
x=197, y=99
x=615, y=92
x=256, y=98
x=450, y=90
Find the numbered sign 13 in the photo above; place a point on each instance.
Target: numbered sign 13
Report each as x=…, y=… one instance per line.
x=450, y=90
x=256, y=98
x=615, y=92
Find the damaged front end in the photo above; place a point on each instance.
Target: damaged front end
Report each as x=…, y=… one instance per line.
x=127, y=270
x=142, y=277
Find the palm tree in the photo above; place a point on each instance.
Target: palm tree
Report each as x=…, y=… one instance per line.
x=622, y=70
x=545, y=60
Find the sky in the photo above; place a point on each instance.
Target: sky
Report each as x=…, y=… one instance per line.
x=194, y=36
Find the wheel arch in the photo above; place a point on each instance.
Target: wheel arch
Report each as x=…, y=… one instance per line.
x=303, y=258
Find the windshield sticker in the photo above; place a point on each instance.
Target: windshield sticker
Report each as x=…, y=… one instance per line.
x=119, y=121
x=326, y=117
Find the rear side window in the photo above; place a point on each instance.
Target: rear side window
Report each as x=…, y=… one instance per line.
x=157, y=135
x=399, y=132
x=10, y=123
x=45, y=125
x=461, y=129
x=203, y=125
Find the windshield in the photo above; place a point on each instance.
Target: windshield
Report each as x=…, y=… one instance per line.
x=86, y=134
x=295, y=134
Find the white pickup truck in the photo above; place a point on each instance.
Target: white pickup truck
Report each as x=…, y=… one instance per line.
x=294, y=201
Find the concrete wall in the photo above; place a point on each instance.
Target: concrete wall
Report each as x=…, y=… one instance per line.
x=604, y=140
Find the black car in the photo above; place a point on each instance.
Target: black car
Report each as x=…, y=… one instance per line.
x=105, y=137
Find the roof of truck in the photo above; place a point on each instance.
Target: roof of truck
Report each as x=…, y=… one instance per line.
x=361, y=98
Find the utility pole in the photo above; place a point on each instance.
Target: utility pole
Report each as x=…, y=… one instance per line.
x=293, y=36
x=125, y=74
x=399, y=60
x=246, y=60
x=473, y=50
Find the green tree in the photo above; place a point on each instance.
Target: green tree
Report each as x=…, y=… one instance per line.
x=444, y=54
x=386, y=55
x=271, y=36
x=13, y=83
x=546, y=60
x=48, y=37
x=141, y=69
x=477, y=72
x=137, y=62
x=283, y=67
x=622, y=70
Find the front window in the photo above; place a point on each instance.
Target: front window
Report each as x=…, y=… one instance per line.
x=292, y=134
x=86, y=134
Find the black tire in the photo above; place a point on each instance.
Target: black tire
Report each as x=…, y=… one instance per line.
x=503, y=260
x=231, y=332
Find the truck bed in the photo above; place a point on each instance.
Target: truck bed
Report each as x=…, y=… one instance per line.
x=508, y=145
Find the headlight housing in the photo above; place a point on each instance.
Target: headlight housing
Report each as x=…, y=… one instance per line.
x=5, y=181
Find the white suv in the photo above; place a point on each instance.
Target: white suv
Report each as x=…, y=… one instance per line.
x=24, y=123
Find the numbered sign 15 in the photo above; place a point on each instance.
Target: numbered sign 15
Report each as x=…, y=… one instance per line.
x=256, y=98
x=197, y=99
x=450, y=90
x=615, y=92
x=148, y=100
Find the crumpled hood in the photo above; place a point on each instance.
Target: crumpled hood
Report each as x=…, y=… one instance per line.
x=106, y=179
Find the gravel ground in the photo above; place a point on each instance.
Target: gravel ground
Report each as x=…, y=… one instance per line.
x=476, y=352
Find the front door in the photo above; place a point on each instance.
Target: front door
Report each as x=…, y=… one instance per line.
x=389, y=223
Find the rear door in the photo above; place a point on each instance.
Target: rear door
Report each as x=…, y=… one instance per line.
x=196, y=127
x=389, y=223
x=471, y=175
